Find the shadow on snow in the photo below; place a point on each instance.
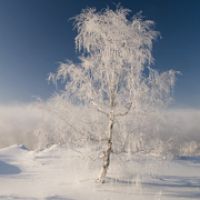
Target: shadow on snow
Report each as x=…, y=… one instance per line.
x=174, y=186
x=8, y=169
x=56, y=197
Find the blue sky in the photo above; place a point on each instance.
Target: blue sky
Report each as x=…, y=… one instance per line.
x=35, y=35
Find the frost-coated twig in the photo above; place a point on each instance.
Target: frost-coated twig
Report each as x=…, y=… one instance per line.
x=114, y=73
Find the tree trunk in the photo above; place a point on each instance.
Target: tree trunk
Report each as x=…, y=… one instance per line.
x=106, y=154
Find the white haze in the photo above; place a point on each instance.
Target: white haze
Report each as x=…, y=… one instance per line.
x=38, y=125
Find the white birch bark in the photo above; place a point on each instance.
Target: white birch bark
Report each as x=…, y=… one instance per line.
x=107, y=153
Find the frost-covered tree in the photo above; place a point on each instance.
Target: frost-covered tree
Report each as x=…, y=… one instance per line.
x=114, y=74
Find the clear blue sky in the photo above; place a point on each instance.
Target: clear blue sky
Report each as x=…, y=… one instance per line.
x=35, y=35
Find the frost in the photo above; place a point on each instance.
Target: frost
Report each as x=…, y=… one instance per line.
x=114, y=74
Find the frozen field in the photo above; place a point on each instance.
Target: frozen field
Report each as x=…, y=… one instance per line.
x=60, y=174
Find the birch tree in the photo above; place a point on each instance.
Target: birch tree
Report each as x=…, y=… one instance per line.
x=113, y=74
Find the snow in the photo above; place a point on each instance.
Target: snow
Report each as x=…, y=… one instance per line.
x=58, y=173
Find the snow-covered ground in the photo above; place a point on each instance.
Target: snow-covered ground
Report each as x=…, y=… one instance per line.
x=62, y=174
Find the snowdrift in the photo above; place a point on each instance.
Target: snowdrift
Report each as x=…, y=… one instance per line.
x=66, y=174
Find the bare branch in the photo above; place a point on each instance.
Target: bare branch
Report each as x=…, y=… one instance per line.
x=99, y=109
x=124, y=113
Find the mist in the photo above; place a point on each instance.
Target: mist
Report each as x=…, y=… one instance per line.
x=38, y=125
